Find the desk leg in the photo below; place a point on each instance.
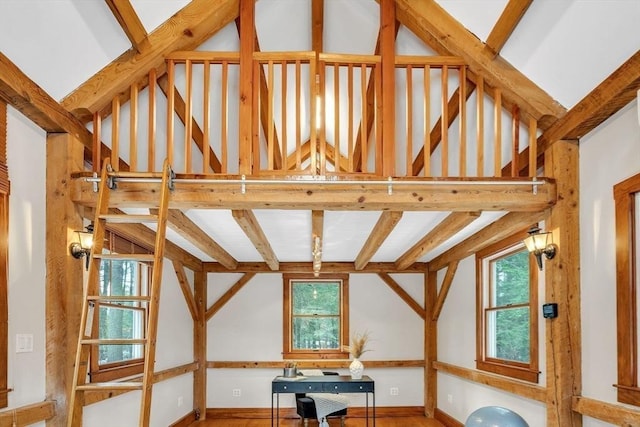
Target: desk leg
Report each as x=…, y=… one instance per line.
x=374, y=408
x=366, y=409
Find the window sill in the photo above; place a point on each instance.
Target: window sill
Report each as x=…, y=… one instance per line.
x=628, y=394
x=517, y=372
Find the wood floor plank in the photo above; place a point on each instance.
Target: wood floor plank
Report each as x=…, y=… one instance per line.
x=350, y=422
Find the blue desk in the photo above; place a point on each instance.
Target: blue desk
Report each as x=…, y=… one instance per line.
x=322, y=384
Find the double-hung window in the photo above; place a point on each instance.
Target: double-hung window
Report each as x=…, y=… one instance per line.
x=124, y=316
x=316, y=313
x=507, y=325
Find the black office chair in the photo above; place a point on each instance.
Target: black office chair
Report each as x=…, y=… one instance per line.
x=306, y=408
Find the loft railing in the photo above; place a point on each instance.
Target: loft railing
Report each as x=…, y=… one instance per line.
x=317, y=115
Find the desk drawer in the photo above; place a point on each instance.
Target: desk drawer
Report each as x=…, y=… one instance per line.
x=347, y=387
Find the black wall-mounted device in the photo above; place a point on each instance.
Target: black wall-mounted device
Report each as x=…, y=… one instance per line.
x=550, y=310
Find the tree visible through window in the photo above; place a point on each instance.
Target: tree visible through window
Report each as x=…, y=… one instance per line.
x=317, y=316
x=507, y=294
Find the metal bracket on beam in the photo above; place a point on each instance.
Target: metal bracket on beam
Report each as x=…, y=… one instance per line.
x=95, y=182
x=111, y=180
x=172, y=176
x=390, y=186
x=243, y=185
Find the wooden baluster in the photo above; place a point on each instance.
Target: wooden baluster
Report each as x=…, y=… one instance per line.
x=533, y=148
x=255, y=134
x=188, y=119
x=170, y=108
x=426, y=151
x=133, y=128
x=444, y=143
x=409, y=121
x=206, y=119
x=284, y=113
x=224, y=111
x=515, y=141
x=463, y=120
x=480, y=125
x=497, y=129
x=97, y=141
x=152, y=120
x=298, y=117
x=350, y=114
x=115, y=132
x=363, y=127
x=336, y=117
x=320, y=119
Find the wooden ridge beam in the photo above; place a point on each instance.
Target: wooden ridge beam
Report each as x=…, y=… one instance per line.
x=19, y=91
x=306, y=267
x=494, y=232
x=216, y=306
x=509, y=19
x=385, y=225
x=451, y=225
x=128, y=19
x=249, y=224
x=187, y=29
x=433, y=25
x=404, y=295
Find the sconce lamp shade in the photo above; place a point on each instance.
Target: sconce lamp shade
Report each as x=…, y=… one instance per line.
x=540, y=243
x=81, y=246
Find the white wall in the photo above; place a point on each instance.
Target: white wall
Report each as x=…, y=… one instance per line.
x=249, y=327
x=27, y=271
x=618, y=141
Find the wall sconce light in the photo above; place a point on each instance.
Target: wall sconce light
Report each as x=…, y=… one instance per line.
x=81, y=247
x=540, y=243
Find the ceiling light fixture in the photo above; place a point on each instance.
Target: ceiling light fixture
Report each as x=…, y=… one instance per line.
x=316, y=253
x=540, y=243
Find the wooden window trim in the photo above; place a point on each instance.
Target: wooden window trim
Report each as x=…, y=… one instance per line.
x=626, y=291
x=118, y=370
x=522, y=371
x=341, y=353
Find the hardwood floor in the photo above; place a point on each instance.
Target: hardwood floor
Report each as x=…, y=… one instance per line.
x=350, y=422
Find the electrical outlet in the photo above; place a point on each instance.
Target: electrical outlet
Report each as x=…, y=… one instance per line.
x=450, y=398
x=394, y=391
x=237, y=392
x=180, y=401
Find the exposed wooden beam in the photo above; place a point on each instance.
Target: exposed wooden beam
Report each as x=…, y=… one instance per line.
x=444, y=290
x=509, y=19
x=386, y=107
x=216, y=306
x=385, y=225
x=128, y=19
x=29, y=414
x=494, y=232
x=186, y=289
x=249, y=224
x=451, y=225
x=608, y=412
x=606, y=99
x=17, y=90
x=395, y=286
x=427, y=195
x=305, y=267
x=181, y=223
x=185, y=30
x=317, y=26
x=196, y=131
x=245, y=109
x=309, y=364
x=432, y=24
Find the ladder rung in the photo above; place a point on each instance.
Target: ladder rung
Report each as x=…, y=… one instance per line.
x=110, y=386
x=128, y=219
x=121, y=341
x=134, y=257
x=118, y=298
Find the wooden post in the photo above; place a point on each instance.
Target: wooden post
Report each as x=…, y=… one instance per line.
x=247, y=43
x=200, y=344
x=430, y=344
x=562, y=278
x=388, y=58
x=64, y=273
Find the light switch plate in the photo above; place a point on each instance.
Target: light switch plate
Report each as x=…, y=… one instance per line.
x=24, y=343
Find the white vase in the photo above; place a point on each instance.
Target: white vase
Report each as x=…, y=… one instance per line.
x=356, y=367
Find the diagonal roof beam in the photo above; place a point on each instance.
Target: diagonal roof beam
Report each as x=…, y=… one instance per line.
x=186, y=289
x=342, y=163
x=249, y=224
x=19, y=91
x=509, y=19
x=216, y=306
x=128, y=19
x=187, y=29
x=494, y=232
x=181, y=223
x=385, y=225
x=433, y=25
x=452, y=224
x=395, y=286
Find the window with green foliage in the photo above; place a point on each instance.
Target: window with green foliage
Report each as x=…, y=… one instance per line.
x=316, y=313
x=506, y=317
x=124, y=319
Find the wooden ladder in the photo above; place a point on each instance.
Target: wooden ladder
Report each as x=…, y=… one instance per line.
x=88, y=335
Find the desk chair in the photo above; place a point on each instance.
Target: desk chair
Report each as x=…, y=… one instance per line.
x=306, y=407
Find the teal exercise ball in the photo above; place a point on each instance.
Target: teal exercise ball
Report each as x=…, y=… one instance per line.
x=495, y=416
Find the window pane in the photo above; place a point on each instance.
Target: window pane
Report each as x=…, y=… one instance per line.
x=511, y=279
x=120, y=323
x=315, y=333
x=321, y=298
x=508, y=335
